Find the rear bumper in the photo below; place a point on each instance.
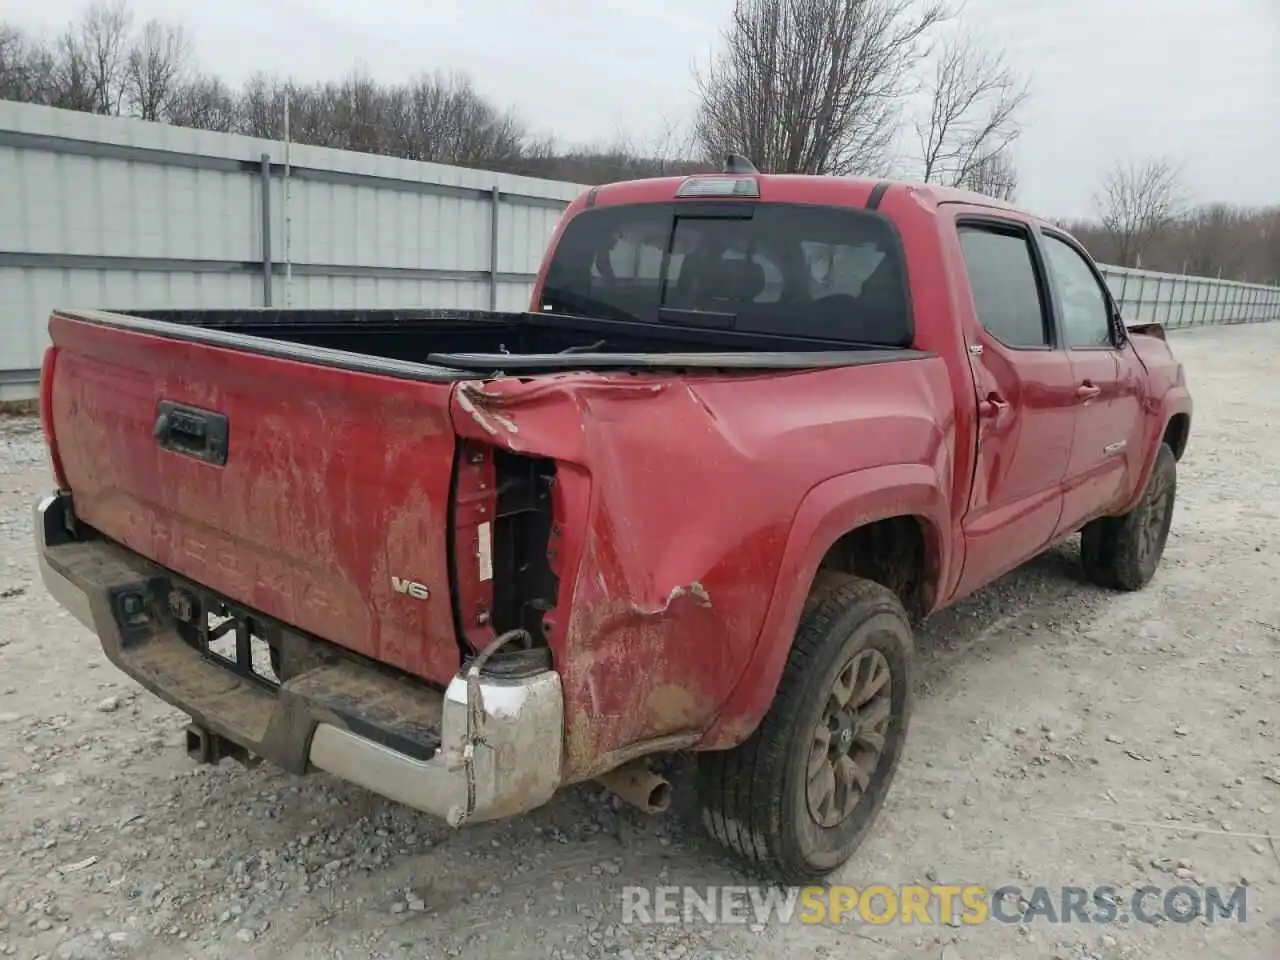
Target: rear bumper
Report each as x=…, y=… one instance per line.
x=487, y=747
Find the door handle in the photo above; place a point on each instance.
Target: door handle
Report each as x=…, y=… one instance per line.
x=993, y=406
x=1088, y=390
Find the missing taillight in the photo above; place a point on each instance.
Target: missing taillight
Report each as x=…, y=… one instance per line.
x=524, y=584
x=503, y=577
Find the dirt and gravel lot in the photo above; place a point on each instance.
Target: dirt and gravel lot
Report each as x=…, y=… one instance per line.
x=1063, y=736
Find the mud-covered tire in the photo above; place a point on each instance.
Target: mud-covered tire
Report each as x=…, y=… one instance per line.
x=1123, y=552
x=757, y=798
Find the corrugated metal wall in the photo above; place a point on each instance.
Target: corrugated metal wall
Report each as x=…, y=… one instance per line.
x=1180, y=301
x=118, y=213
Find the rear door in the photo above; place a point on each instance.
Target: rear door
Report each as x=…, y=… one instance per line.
x=1108, y=386
x=1025, y=397
x=313, y=494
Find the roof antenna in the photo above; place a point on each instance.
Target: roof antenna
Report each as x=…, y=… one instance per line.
x=736, y=163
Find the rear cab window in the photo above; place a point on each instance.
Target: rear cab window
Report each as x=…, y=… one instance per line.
x=784, y=269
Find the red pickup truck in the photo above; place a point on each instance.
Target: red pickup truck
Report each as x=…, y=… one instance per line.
x=749, y=429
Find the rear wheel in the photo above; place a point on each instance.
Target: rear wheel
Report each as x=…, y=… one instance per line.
x=1124, y=552
x=798, y=797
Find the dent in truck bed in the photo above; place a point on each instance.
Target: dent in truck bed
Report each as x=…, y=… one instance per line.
x=666, y=573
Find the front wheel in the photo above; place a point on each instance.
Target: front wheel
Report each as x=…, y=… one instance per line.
x=1123, y=552
x=798, y=797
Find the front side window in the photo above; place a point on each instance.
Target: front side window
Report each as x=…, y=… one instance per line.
x=1086, y=314
x=783, y=269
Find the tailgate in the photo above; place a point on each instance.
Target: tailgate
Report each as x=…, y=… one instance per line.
x=314, y=494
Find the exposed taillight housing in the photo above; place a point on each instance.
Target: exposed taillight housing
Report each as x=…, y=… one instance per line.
x=505, y=537
x=475, y=499
x=46, y=415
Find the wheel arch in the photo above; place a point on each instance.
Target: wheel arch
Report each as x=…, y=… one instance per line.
x=883, y=524
x=1173, y=428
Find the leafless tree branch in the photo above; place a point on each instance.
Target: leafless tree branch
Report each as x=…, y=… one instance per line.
x=1135, y=203
x=101, y=45
x=974, y=102
x=26, y=68
x=158, y=61
x=205, y=103
x=813, y=86
x=992, y=175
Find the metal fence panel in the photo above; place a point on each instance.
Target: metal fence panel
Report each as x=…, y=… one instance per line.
x=117, y=213
x=1177, y=301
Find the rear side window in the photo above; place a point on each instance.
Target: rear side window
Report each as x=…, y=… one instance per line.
x=791, y=270
x=1006, y=292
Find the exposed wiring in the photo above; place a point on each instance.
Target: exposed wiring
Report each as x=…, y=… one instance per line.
x=475, y=718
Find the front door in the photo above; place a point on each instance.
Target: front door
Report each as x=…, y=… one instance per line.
x=1026, y=401
x=1106, y=447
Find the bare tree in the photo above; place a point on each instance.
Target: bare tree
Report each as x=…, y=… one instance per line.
x=261, y=107
x=813, y=86
x=992, y=175
x=205, y=103
x=358, y=107
x=974, y=100
x=1212, y=238
x=672, y=146
x=158, y=61
x=444, y=119
x=101, y=44
x=1268, y=246
x=441, y=118
x=71, y=82
x=1136, y=203
x=25, y=68
x=1209, y=241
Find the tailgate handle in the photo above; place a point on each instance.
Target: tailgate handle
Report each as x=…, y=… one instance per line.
x=192, y=432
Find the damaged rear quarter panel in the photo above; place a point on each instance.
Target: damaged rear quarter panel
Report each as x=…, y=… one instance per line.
x=675, y=495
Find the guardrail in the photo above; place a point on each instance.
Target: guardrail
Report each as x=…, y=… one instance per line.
x=1177, y=301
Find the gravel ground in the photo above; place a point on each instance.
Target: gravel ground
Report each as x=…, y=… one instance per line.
x=1063, y=736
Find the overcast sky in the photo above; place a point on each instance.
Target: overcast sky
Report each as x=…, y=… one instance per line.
x=1197, y=80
